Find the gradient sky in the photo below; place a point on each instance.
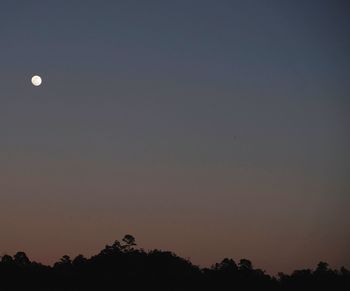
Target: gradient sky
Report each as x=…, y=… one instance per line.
x=211, y=128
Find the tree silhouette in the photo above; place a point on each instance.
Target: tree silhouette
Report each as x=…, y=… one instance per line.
x=79, y=260
x=322, y=267
x=129, y=240
x=21, y=259
x=6, y=259
x=123, y=266
x=245, y=264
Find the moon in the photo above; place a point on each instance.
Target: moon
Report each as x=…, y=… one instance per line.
x=36, y=81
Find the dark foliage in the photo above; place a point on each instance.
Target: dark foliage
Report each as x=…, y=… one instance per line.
x=121, y=266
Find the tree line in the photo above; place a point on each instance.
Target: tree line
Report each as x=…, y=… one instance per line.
x=123, y=266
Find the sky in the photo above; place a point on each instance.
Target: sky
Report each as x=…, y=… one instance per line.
x=210, y=128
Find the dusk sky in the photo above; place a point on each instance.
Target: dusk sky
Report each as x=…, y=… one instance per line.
x=209, y=128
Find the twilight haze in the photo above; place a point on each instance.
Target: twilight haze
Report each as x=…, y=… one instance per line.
x=210, y=128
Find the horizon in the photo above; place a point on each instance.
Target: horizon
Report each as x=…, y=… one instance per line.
x=135, y=247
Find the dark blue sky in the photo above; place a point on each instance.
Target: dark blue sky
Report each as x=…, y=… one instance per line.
x=186, y=123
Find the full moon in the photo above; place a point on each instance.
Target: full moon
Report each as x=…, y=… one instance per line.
x=36, y=80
